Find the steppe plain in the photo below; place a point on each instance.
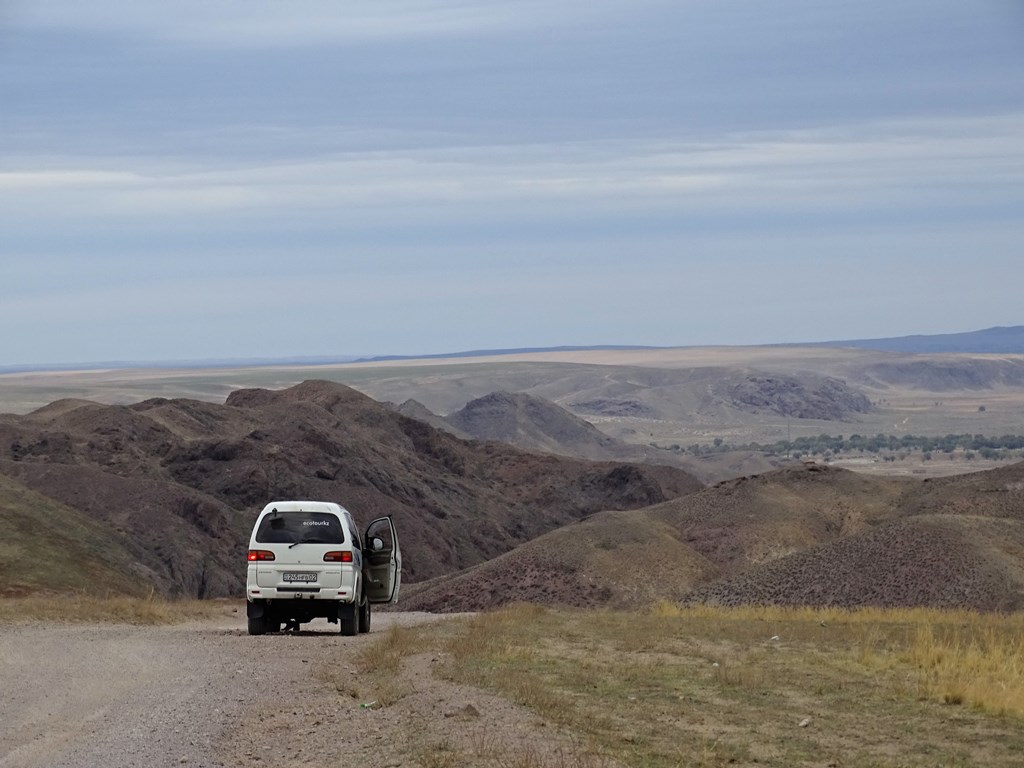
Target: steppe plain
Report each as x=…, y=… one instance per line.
x=443, y=384
x=661, y=397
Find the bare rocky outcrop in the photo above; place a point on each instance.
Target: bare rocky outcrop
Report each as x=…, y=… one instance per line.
x=827, y=399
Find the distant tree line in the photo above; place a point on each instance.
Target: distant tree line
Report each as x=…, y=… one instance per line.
x=983, y=445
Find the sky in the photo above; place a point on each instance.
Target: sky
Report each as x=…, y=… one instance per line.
x=224, y=179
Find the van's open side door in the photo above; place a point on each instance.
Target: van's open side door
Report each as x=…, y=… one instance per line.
x=382, y=561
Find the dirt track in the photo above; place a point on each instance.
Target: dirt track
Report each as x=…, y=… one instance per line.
x=201, y=694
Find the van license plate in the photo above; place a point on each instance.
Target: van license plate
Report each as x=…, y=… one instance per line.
x=300, y=577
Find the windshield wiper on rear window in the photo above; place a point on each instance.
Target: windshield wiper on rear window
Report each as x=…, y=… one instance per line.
x=306, y=541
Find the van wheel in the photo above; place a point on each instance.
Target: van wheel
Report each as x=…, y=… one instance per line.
x=257, y=626
x=364, y=615
x=348, y=619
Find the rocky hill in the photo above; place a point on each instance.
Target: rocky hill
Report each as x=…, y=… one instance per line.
x=939, y=561
x=946, y=373
x=414, y=409
x=822, y=398
x=165, y=491
x=161, y=495
x=805, y=535
x=535, y=423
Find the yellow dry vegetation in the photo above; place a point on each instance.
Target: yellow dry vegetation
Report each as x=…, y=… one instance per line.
x=981, y=667
x=960, y=657
x=709, y=686
x=82, y=608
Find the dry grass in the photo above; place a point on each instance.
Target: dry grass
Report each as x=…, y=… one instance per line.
x=960, y=657
x=390, y=670
x=980, y=666
x=386, y=654
x=710, y=687
x=111, y=610
x=372, y=675
x=446, y=754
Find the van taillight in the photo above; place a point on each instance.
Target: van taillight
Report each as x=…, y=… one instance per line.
x=260, y=555
x=338, y=557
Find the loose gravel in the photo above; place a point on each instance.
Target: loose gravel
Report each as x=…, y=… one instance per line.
x=96, y=696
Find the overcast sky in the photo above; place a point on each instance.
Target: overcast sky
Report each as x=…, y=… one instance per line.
x=213, y=179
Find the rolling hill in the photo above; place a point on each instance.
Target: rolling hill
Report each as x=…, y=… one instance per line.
x=806, y=535
x=998, y=340
x=417, y=410
x=160, y=495
x=537, y=424
x=172, y=486
x=675, y=399
x=48, y=546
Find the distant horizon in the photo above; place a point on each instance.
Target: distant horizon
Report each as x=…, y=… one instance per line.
x=341, y=359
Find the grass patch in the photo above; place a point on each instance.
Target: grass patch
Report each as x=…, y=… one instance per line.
x=385, y=655
x=445, y=754
x=372, y=676
x=979, y=665
x=708, y=686
x=716, y=687
x=111, y=610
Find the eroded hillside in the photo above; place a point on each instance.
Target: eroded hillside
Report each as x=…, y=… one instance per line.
x=804, y=535
x=176, y=483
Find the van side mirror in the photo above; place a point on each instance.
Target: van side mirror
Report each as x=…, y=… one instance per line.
x=376, y=544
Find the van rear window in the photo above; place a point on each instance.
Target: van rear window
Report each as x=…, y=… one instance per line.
x=310, y=527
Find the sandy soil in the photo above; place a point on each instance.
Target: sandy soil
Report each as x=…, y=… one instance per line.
x=207, y=694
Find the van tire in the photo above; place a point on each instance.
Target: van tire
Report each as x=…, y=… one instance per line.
x=348, y=619
x=257, y=625
x=364, y=616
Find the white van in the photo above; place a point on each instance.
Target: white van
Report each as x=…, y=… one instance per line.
x=307, y=561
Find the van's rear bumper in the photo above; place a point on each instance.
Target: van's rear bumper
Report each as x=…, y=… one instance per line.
x=298, y=594
x=269, y=581
x=280, y=610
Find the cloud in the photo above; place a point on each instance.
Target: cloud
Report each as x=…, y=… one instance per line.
x=910, y=164
x=226, y=23
x=491, y=155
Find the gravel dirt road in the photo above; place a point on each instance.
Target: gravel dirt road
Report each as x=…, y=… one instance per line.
x=207, y=694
